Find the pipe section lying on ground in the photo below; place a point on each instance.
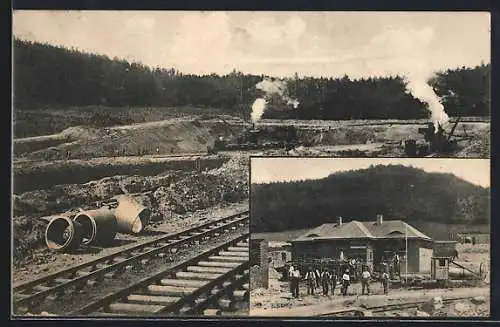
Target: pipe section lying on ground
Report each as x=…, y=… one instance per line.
x=99, y=226
x=131, y=216
x=63, y=234
x=458, y=273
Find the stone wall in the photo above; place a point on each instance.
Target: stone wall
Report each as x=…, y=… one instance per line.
x=259, y=264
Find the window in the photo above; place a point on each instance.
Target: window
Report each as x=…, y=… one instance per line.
x=442, y=262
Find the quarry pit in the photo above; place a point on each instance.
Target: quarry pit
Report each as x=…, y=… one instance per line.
x=173, y=168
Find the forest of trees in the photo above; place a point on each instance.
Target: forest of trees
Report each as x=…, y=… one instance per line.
x=49, y=76
x=398, y=192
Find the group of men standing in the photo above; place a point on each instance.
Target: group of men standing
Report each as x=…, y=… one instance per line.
x=314, y=279
x=327, y=279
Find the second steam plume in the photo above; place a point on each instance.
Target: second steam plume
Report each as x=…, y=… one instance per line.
x=409, y=52
x=421, y=90
x=270, y=87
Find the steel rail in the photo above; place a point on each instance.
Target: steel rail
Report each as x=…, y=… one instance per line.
x=388, y=307
x=190, y=299
x=118, y=261
x=407, y=305
x=201, y=305
x=104, y=302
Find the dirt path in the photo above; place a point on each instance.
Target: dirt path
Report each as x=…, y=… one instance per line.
x=330, y=303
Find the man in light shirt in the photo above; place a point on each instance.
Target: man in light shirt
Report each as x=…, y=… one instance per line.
x=311, y=281
x=385, y=282
x=346, y=280
x=295, y=281
x=290, y=276
x=365, y=281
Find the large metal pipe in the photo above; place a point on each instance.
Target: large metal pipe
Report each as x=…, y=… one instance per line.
x=63, y=234
x=99, y=226
x=131, y=216
x=458, y=273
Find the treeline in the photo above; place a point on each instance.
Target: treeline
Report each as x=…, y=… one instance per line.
x=49, y=76
x=397, y=192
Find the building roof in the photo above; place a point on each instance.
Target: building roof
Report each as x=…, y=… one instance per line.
x=363, y=229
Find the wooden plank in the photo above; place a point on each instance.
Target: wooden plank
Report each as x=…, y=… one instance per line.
x=183, y=282
x=228, y=258
x=216, y=270
x=152, y=299
x=196, y=276
x=170, y=290
x=133, y=308
x=218, y=264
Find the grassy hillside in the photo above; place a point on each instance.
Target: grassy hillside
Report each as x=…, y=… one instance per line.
x=396, y=191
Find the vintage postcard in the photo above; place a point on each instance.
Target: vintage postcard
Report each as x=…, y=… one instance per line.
x=132, y=138
x=366, y=237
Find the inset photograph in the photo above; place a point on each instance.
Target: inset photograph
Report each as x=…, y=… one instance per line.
x=387, y=237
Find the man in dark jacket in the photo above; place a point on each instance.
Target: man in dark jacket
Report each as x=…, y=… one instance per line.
x=333, y=280
x=325, y=281
x=318, y=278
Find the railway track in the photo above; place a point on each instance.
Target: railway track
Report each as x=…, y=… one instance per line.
x=409, y=305
x=370, y=310
x=28, y=297
x=207, y=283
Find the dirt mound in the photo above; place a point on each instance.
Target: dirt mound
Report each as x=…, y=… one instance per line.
x=30, y=176
x=197, y=192
x=29, y=233
x=82, y=132
x=63, y=197
x=463, y=309
x=479, y=146
x=236, y=166
x=167, y=137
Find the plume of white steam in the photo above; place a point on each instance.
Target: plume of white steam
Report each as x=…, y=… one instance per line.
x=409, y=52
x=420, y=89
x=258, y=108
x=270, y=87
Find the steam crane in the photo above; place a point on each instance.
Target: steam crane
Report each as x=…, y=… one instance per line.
x=438, y=142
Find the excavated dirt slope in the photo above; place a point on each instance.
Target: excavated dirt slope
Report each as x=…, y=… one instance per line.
x=166, y=137
x=170, y=195
x=183, y=135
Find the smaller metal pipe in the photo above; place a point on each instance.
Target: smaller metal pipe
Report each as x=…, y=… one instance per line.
x=99, y=226
x=63, y=234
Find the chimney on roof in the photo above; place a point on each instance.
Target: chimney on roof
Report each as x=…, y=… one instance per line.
x=380, y=219
x=339, y=221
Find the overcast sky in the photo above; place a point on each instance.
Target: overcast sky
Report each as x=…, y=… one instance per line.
x=265, y=170
x=276, y=43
